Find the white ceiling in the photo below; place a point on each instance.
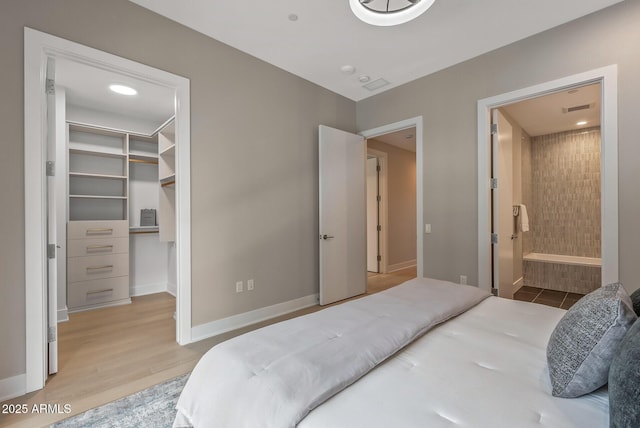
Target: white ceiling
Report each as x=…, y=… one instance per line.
x=327, y=35
x=87, y=87
x=546, y=115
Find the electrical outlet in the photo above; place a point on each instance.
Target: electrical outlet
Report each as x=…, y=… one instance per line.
x=463, y=279
x=239, y=287
x=250, y=285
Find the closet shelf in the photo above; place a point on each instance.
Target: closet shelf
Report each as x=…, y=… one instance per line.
x=143, y=229
x=89, y=175
x=97, y=197
x=137, y=159
x=169, y=151
x=81, y=151
x=143, y=155
x=169, y=179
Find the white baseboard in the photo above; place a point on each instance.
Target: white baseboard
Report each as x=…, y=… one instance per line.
x=13, y=387
x=63, y=314
x=172, y=289
x=141, y=290
x=518, y=284
x=234, y=322
x=402, y=265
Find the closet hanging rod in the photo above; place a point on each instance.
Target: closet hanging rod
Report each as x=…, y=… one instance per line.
x=143, y=161
x=168, y=183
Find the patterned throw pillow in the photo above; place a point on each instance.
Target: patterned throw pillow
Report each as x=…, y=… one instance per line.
x=585, y=340
x=635, y=299
x=624, y=382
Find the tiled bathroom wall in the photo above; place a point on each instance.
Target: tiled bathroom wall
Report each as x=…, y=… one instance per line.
x=561, y=277
x=561, y=188
x=566, y=193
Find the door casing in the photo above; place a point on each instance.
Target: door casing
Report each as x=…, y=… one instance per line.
x=416, y=122
x=608, y=77
x=38, y=48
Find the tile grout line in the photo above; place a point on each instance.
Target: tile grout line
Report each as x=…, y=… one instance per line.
x=563, y=300
x=537, y=295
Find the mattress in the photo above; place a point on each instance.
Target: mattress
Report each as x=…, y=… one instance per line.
x=484, y=368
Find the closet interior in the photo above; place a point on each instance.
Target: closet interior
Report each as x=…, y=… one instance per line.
x=121, y=214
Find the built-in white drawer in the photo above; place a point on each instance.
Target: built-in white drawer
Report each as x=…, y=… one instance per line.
x=97, y=292
x=97, y=267
x=97, y=246
x=97, y=229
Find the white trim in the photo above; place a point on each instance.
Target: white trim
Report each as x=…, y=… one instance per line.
x=144, y=289
x=38, y=47
x=234, y=322
x=63, y=314
x=563, y=259
x=402, y=265
x=12, y=387
x=383, y=161
x=607, y=76
x=518, y=284
x=397, y=126
x=120, y=302
x=172, y=289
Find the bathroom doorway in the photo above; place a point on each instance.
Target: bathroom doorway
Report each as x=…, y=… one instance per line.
x=546, y=158
x=488, y=256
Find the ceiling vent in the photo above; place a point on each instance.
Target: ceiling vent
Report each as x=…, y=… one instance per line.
x=376, y=84
x=578, y=108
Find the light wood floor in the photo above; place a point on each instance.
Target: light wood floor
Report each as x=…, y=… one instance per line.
x=109, y=353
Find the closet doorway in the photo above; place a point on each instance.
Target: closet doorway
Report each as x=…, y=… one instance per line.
x=103, y=148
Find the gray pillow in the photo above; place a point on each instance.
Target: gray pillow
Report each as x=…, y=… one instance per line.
x=583, y=343
x=624, y=382
x=635, y=299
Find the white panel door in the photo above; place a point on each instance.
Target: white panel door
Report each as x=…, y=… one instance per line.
x=372, y=216
x=503, y=206
x=342, y=219
x=52, y=229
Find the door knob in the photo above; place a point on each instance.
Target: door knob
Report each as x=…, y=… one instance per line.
x=327, y=237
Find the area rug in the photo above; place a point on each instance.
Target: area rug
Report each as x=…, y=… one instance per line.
x=153, y=407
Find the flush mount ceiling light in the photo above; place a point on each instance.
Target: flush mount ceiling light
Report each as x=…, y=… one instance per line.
x=582, y=122
x=123, y=90
x=389, y=12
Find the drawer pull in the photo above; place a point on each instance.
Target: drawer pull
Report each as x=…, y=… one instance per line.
x=99, y=247
x=99, y=267
x=105, y=230
x=98, y=292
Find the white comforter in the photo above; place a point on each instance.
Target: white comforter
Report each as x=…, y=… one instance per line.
x=485, y=368
x=274, y=376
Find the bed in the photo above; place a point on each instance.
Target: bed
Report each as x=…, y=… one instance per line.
x=427, y=353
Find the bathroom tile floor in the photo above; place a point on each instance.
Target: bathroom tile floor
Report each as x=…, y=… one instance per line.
x=558, y=299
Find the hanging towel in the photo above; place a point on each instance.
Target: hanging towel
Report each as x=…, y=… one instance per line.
x=524, y=219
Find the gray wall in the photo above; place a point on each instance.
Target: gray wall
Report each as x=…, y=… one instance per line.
x=447, y=101
x=254, y=158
